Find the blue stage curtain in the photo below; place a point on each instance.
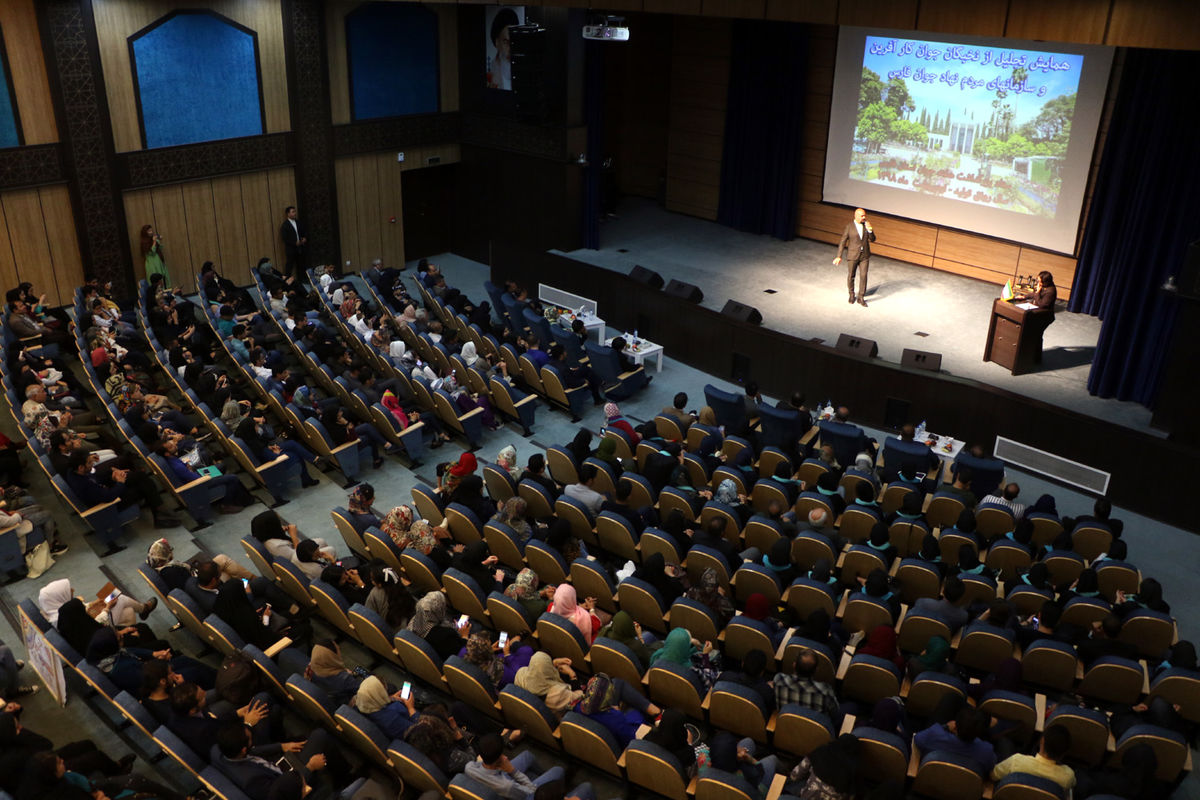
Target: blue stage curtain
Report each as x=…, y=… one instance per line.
x=1144, y=213
x=763, y=117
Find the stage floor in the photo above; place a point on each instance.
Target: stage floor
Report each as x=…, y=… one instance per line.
x=910, y=306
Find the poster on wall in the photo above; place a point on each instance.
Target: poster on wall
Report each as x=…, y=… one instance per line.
x=43, y=659
x=499, y=57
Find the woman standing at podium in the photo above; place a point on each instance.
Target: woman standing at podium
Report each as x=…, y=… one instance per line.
x=1043, y=298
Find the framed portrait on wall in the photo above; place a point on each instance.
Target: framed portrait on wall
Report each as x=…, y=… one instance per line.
x=497, y=21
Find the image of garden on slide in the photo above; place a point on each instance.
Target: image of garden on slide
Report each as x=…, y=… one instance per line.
x=985, y=125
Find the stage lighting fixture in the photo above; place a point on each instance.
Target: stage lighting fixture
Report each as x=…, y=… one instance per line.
x=607, y=28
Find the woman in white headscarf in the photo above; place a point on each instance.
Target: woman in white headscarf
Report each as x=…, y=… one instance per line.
x=390, y=713
x=122, y=610
x=469, y=353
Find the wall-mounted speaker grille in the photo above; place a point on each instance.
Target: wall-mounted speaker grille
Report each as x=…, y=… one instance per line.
x=1070, y=472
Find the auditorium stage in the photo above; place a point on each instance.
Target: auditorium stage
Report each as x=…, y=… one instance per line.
x=809, y=301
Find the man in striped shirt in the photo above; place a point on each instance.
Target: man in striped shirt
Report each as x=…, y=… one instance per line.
x=1007, y=498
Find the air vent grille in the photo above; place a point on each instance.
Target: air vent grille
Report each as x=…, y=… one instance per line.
x=1056, y=467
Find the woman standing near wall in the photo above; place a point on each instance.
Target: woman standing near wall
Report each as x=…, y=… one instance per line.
x=152, y=253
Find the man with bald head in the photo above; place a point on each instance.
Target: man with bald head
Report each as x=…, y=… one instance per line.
x=856, y=242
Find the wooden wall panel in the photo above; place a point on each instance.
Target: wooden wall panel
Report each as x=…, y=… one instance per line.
x=900, y=14
x=696, y=131
x=370, y=196
x=339, y=67
x=232, y=221
x=743, y=9
x=38, y=242
x=818, y=11
x=978, y=18
x=231, y=228
x=1154, y=23
x=1062, y=21
x=26, y=63
x=65, y=258
x=117, y=20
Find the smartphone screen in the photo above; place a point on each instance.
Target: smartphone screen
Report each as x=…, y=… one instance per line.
x=462, y=620
x=246, y=583
x=503, y=638
x=405, y=690
x=113, y=595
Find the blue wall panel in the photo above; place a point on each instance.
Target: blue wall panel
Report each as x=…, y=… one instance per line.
x=8, y=117
x=393, y=53
x=197, y=79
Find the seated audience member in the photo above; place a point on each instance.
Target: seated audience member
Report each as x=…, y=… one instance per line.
x=736, y=756
x=881, y=643
x=616, y=705
x=1047, y=763
x=963, y=736
x=282, y=540
x=614, y=419
x=193, y=722
x=124, y=485
x=510, y=779
x=362, y=512
x=1105, y=640
x=1008, y=499
x=671, y=734
x=236, y=496
x=831, y=772
x=931, y=659
x=961, y=488
x=802, y=687
x=388, y=597
x=328, y=671
x=253, y=768
x=393, y=714
x=946, y=608
x=581, y=615
x=676, y=411
x=710, y=592
x=583, y=491
x=535, y=470
x=625, y=631
x=429, y=621
x=544, y=677
x=234, y=606
x=752, y=675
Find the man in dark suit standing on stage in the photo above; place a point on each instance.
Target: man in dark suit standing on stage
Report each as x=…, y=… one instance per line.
x=294, y=242
x=856, y=242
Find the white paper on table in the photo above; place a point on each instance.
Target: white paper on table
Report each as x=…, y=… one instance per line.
x=1026, y=306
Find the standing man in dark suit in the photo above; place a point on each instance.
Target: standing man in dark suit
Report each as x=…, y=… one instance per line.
x=856, y=241
x=294, y=242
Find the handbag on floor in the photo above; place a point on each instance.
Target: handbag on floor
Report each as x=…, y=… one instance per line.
x=38, y=560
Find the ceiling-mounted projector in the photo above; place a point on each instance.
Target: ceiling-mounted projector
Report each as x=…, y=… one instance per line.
x=607, y=29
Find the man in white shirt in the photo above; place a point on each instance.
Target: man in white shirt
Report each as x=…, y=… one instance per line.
x=583, y=491
x=1008, y=499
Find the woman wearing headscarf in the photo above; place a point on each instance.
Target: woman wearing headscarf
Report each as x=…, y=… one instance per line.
x=881, y=542
x=654, y=571
x=391, y=714
x=1006, y=677
x=707, y=417
x=469, y=493
x=525, y=591
x=438, y=736
x=931, y=659
x=671, y=734
x=429, y=621
x=624, y=630
x=758, y=608
x=931, y=553
x=709, y=592
x=581, y=446
x=467, y=401
x=469, y=354
x=234, y=607
x=727, y=493
x=122, y=610
x=831, y=772
x=819, y=628
x=501, y=668
x=881, y=643
x=342, y=431
x=562, y=539
x=506, y=459
x=1149, y=595
x=453, y=475
x=405, y=532
x=617, y=706
x=477, y=562
x=606, y=451
x=327, y=670
x=21, y=748
x=78, y=627
x=613, y=419
x=512, y=514
x=309, y=559
x=888, y=715
x=681, y=649
x=1044, y=505
x=281, y=540
x=542, y=677
x=565, y=604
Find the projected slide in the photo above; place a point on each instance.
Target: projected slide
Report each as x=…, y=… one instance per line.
x=988, y=135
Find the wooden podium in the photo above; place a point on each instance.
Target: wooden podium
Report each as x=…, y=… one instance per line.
x=1010, y=342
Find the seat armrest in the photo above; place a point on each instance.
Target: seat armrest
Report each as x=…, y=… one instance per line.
x=98, y=508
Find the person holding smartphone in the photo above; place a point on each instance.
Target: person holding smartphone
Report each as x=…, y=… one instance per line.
x=394, y=713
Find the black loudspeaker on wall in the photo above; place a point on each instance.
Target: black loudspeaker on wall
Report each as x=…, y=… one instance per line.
x=921, y=359
x=688, y=291
x=646, y=276
x=857, y=346
x=743, y=312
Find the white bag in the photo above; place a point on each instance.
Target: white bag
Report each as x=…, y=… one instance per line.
x=38, y=560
